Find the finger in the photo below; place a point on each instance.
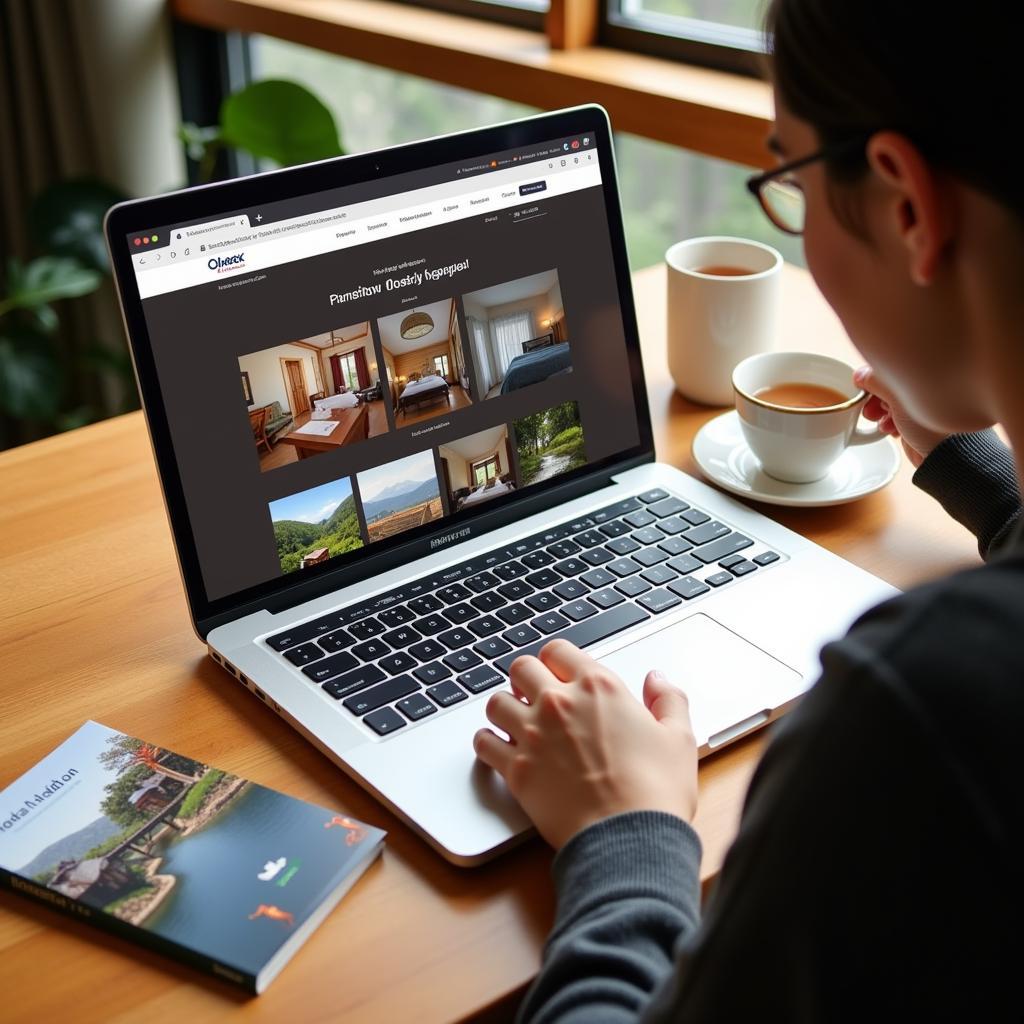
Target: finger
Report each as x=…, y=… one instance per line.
x=492, y=750
x=507, y=713
x=874, y=408
x=665, y=701
x=530, y=677
x=864, y=377
x=565, y=660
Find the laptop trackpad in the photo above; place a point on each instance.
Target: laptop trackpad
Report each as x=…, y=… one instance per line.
x=732, y=685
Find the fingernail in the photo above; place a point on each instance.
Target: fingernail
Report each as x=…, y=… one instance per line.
x=658, y=676
x=860, y=374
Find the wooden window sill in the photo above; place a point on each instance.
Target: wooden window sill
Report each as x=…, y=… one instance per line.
x=711, y=112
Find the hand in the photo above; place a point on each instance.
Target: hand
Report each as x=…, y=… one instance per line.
x=888, y=412
x=581, y=748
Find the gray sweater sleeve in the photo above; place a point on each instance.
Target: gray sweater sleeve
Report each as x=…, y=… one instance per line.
x=628, y=887
x=974, y=479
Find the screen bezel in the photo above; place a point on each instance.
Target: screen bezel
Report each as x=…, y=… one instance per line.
x=211, y=201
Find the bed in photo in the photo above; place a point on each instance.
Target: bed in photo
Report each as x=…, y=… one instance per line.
x=478, y=468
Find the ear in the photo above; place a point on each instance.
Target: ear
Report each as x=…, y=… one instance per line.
x=917, y=199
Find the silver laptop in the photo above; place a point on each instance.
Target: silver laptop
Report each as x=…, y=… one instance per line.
x=398, y=409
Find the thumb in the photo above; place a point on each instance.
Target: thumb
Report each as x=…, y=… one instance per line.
x=665, y=701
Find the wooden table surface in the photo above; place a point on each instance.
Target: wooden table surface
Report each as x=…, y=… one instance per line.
x=93, y=624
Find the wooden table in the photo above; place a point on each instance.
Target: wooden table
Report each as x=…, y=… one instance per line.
x=353, y=425
x=94, y=625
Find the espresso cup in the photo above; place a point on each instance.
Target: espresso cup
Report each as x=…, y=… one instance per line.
x=799, y=445
x=717, y=319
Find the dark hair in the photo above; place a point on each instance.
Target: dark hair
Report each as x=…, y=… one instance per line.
x=853, y=67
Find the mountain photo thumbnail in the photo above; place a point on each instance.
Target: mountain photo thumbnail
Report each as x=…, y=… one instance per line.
x=314, y=525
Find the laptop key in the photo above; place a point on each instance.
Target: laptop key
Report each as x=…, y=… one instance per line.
x=537, y=559
x=492, y=647
x=401, y=637
x=431, y=624
x=543, y=578
x=648, y=535
x=632, y=586
x=672, y=525
x=455, y=638
x=453, y=594
x=624, y=567
x=606, y=598
x=481, y=582
x=461, y=660
x=676, y=545
x=597, y=556
x=718, y=579
x=718, y=549
x=432, y=673
x=659, y=574
x=486, y=625
x=550, y=623
x=544, y=602
x=416, y=707
x=623, y=545
x=598, y=578
x=336, y=641
x=730, y=560
x=588, y=632
x=396, y=616
x=616, y=528
x=460, y=613
x=377, y=696
x=352, y=681
x=487, y=602
x=668, y=506
x=571, y=566
x=564, y=548
x=423, y=605
x=366, y=628
x=385, y=721
x=330, y=667
x=305, y=631
x=588, y=538
x=427, y=650
x=709, y=531
x=694, y=516
x=371, y=650
x=650, y=556
x=480, y=679
x=578, y=610
x=516, y=590
x=447, y=693
x=766, y=558
x=514, y=614
x=510, y=570
x=398, y=662
x=657, y=494
x=742, y=568
x=567, y=590
x=304, y=654
x=685, y=564
x=658, y=601
x=688, y=588
x=640, y=518
x=517, y=636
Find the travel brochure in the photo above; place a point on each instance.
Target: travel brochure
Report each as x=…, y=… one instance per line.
x=187, y=859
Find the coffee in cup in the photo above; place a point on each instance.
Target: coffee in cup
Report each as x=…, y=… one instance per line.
x=798, y=412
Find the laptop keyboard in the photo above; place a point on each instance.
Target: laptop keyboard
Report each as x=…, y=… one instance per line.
x=405, y=655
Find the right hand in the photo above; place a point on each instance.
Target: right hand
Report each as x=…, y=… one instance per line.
x=893, y=419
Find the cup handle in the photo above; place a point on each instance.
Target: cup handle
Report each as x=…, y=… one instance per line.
x=869, y=436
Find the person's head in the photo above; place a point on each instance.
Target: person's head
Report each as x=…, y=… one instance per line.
x=915, y=232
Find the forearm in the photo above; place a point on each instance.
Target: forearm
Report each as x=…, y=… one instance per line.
x=628, y=889
x=974, y=478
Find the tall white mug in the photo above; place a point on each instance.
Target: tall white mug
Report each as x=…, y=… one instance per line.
x=716, y=320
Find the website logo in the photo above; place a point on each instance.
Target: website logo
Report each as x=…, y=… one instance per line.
x=221, y=264
x=448, y=538
x=271, y=869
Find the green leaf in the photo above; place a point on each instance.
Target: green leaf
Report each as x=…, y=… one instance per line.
x=197, y=139
x=45, y=280
x=66, y=219
x=30, y=374
x=280, y=120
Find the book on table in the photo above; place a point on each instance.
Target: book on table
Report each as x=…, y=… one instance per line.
x=184, y=858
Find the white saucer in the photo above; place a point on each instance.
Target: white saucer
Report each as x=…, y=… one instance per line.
x=723, y=456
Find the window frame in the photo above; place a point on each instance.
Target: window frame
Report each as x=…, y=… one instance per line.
x=503, y=13
x=483, y=464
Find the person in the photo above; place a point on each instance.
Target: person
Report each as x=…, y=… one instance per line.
x=875, y=872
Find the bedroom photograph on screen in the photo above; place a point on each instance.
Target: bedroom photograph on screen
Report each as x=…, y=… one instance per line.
x=313, y=395
x=426, y=367
x=549, y=443
x=517, y=333
x=478, y=468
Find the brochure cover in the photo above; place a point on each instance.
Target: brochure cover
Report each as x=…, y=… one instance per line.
x=189, y=860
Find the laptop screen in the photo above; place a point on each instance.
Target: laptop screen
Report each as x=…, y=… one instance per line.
x=347, y=370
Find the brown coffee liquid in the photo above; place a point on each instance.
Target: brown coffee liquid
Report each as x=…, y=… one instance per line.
x=724, y=270
x=797, y=395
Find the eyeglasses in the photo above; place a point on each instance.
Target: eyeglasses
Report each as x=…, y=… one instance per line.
x=780, y=194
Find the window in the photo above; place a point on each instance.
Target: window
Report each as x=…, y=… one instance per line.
x=723, y=34
x=348, y=370
x=523, y=13
x=483, y=471
x=441, y=366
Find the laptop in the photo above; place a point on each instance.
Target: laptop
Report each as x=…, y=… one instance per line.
x=397, y=405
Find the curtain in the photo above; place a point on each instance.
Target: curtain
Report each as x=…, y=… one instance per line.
x=481, y=352
x=508, y=334
x=362, y=373
x=339, y=379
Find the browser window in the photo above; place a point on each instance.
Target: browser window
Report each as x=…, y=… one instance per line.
x=344, y=370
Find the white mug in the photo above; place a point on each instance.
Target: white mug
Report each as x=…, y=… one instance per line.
x=799, y=445
x=715, y=321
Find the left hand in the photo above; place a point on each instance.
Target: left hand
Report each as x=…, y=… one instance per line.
x=581, y=748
